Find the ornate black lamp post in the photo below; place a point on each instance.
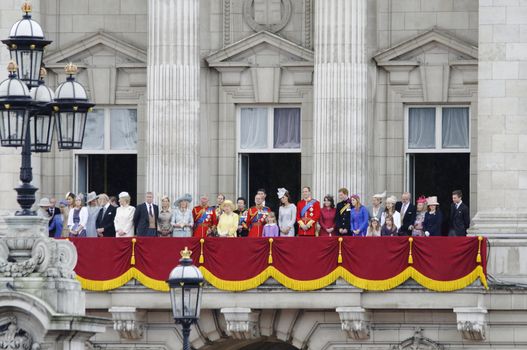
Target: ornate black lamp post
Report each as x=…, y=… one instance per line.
x=28, y=117
x=186, y=286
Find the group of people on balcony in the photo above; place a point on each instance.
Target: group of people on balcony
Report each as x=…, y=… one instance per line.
x=103, y=217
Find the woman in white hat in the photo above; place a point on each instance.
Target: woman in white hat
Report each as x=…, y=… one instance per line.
x=286, y=214
x=376, y=209
x=182, y=220
x=93, y=211
x=390, y=211
x=228, y=222
x=68, y=201
x=433, y=218
x=124, y=217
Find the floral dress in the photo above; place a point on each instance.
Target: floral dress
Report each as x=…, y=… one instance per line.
x=418, y=230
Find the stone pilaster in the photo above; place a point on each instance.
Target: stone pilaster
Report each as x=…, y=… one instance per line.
x=340, y=97
x=501, y=128
x=172, y=97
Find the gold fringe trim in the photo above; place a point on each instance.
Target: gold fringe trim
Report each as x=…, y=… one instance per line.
x=115, y=283
x=298, y=285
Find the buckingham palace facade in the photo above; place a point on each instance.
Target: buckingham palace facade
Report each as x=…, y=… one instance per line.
x=234, y=95
x=229, y=96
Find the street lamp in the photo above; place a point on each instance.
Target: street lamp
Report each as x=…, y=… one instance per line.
x=28, y=117
x=186, y=286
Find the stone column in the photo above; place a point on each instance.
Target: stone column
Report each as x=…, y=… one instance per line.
x=340, y=97
x=502, y=120
x=172, y=97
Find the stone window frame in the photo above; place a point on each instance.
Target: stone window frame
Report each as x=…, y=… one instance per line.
x=76, y=154
x=438, y=129
x=270, y=127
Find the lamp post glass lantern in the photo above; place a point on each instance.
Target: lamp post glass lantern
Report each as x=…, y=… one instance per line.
x=28, y=117
x=71, y=110
x=42, y=121
x=186, y=286
x=26, y=46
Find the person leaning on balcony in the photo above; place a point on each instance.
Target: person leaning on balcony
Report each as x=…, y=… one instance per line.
x=359, y=217
x=124, y=217
x=78, y=219
x=182, y=220
x=164, y=226
x=433, y=218
x=228, y=222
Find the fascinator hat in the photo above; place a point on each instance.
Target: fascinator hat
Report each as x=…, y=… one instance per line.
x=281, y=192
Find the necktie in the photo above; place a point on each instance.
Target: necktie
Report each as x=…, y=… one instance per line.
x=150, y=210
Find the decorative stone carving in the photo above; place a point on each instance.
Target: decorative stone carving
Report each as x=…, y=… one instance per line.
x=14, y=338
x=242, y=323
x=269, y=15
x=472, y=322
x=417, y=342
x=355, y=321
x=128, y=322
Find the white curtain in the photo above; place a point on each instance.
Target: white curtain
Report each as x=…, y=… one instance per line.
x=455, y=127
x=253, y=128
x=287, y=128
x=123, y=129
x=94, y=131
x=421, y=128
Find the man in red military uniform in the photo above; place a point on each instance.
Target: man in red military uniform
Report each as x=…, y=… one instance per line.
x=307, y=213
x=204, y=216
x=256, y=217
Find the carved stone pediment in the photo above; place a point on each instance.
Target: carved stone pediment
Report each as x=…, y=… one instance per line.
x=261, y=59
x=417, y=342
x=434, y=53
x=91, y=50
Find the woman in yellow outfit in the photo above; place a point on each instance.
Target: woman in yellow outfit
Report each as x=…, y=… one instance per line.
x=228, y=222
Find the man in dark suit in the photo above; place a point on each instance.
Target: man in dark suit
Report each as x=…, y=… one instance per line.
x=459, y=215
x=408, y=212
x=342, y=215
x=145, y=217
x=53, y=211
x=104, y=221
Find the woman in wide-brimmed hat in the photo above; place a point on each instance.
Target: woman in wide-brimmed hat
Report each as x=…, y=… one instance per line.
x=433, y=218
x=228, y=222
x=93, y=211
x=182, y=221
x=390, y=211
